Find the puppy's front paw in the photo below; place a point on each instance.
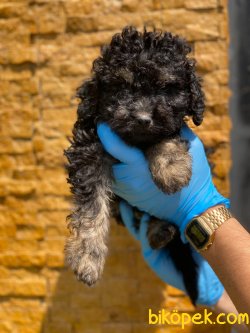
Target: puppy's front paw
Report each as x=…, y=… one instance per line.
x=170, y=165
x=87, y=265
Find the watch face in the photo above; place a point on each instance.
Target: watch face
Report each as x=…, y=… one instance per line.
x=197, y=234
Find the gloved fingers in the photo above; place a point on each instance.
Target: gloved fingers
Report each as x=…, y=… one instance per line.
x=116, y=147
x=162, y=264
x=143, y=233
x=127, y=215
x=192, y=138
x=187, y=133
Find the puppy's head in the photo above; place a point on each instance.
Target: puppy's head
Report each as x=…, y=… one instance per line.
x=145, y=85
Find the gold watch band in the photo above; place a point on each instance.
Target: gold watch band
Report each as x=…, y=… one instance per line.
x=216, y=217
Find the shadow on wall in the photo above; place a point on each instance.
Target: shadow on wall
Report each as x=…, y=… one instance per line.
x=118, y=303
x=121, y=300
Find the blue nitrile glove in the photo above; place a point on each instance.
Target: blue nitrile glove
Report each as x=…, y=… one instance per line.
x=133, y=181
x=210, y=288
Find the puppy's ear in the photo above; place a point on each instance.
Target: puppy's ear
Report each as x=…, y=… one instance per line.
x=88, y=89
x=88, y=94
x=197, y=105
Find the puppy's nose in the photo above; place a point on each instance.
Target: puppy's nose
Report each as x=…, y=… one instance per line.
x=144, y=119
x=145, y=122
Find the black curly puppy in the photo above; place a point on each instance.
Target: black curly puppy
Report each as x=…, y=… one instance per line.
x=143, y=85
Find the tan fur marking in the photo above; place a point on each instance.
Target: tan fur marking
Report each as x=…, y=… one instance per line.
x=170, y=165
x=127, y=75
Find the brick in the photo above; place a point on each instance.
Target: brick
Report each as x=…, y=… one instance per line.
x=14, y=147
x=223, y=3
x=23, y=259
x=7, y=164
x=9, y=75
x=18, y=124
x=222, y=152
x=102, y=22
x=53, y=186
x=58, y=121
x=75, y=7
x=172, y=4
x=215, y=122
x=220, y=77
x=89, y=7
x=53, y=203
x=30, y=232
x=6, y=327
x=50, y=18
x=4, y=273
x=55, y=260
x=52, y=220
x=7, y=230
x=218, y=137
x=217, y=51
x=113, y=328
x=17, y=54
x=11, y=9
x=50, y=152
x=131, y=5
x=31, y=328
x=58, y=93
x=222, y=185
x=8, y=216
x=9, y=26
x=221, y=169
x=200, y=4
x=14, y=287
x=197, y=32
x=21, y=187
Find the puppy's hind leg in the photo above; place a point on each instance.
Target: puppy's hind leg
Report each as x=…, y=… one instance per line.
x=89, y=176
x=162, y=234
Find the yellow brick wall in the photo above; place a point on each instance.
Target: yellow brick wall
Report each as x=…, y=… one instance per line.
x=46, y=50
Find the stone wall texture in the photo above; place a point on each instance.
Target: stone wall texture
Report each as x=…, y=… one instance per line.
x=46, y=50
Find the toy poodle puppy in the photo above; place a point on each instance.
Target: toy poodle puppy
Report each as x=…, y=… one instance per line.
x=144, y=86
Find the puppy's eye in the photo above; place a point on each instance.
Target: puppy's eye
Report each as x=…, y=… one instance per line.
x=166, y=88
x=121, y=112
x=119, y=94
x=171, y=88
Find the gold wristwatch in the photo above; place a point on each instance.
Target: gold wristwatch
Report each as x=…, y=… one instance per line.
x=200, y=231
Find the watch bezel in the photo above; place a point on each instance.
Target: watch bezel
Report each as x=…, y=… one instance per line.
x=198, y=223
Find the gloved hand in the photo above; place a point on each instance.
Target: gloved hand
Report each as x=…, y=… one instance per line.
x=210, y=288
x=133, y=181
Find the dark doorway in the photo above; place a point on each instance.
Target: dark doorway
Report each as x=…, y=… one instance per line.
x=239, y=20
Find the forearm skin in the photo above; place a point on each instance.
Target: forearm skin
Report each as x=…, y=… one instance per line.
x=229, y=256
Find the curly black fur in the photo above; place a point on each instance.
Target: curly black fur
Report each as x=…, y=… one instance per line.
x=143, y=85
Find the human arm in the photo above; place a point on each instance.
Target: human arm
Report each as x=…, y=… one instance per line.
x=229, y=255
x=210, y=289
x=133, y=182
